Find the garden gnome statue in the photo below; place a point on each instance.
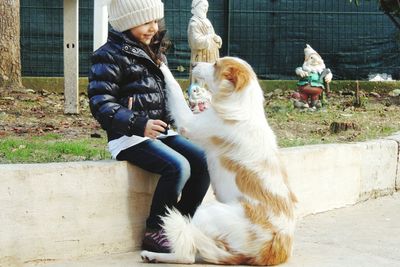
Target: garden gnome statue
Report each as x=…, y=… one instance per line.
x=203, y=41
x=313, y=74
x=199, y=98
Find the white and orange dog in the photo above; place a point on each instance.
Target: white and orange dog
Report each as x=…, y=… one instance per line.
x=253, y=220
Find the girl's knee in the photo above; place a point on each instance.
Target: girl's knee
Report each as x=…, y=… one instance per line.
x=184, y=169
x=180, y=170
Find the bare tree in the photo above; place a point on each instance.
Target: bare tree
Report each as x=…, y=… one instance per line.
x=10, y=54
x=390, y=7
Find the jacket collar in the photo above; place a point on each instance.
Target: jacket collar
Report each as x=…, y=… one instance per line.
x=128, y=45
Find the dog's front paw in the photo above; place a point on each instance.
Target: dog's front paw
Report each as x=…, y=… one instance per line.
x=184, y=132
x=171, y=84
x=148, y=256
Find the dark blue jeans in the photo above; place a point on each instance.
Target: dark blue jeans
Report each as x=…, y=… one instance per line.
x=183, y=169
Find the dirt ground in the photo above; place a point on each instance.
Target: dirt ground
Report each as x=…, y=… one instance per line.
x=33, y=113
x=346, y=117
x=28, y=113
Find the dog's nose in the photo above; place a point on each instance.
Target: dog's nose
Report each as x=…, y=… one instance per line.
x=194, y=64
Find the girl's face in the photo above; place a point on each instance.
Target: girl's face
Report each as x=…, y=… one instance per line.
x=145, y=32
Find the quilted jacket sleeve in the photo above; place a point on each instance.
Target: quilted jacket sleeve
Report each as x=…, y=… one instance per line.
x=104, y=78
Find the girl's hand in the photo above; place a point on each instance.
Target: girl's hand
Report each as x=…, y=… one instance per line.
x=154, y=128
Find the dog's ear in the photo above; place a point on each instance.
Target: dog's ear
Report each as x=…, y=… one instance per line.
x=237, y=74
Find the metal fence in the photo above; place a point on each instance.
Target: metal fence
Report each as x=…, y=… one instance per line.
x=42, y=37
x=269, y=34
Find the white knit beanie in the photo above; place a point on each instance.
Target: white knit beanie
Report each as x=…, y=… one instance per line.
x=127, y=14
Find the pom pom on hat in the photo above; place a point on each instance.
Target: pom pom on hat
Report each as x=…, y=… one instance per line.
x=128, y=14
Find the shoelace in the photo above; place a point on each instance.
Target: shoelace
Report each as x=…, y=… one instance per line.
x=159, y=238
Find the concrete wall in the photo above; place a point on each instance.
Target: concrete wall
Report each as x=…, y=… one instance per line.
x=396, y=138
x=53, y=211
x=325, y=177
x=72, y=210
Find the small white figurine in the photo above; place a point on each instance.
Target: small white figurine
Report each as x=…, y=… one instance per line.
x=199, y=98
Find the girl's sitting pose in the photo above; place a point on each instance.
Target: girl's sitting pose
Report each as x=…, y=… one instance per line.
x=127, y=97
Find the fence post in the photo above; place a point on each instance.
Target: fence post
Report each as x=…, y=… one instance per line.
x=100, y=23
x=71, y=56
x=227, y=28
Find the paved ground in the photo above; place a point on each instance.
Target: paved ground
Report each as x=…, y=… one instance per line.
x=365, y=235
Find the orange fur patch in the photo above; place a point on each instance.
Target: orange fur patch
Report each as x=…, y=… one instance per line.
x=232, y=76
x=250, y=184
x=257, y=214
x=273, y=252
x=238, y=73
x=221, y=144
x=276, y=251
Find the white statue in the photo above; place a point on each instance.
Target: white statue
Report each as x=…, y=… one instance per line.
x=203, y=41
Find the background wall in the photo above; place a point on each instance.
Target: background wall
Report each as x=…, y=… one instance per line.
x=270, y=34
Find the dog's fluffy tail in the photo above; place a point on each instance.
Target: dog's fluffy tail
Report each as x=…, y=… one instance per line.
x=278, y=250
x=187, y=239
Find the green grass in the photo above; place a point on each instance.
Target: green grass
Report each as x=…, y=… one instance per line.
x=51, y=148
x=376, y=118
x=296, y=128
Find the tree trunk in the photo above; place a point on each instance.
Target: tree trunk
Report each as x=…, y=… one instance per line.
x=391, y=6
x=10, y=56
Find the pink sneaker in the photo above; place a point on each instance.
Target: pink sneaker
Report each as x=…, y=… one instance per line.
x=156, y=241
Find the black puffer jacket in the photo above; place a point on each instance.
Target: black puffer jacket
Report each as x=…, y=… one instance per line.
x=122, y=70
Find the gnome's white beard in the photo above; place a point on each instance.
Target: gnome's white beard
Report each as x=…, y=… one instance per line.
x=313, y=68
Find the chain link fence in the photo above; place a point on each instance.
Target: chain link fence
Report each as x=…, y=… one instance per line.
x=42, y=37
x=269, y=34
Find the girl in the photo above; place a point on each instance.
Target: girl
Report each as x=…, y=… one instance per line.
x=127, y=98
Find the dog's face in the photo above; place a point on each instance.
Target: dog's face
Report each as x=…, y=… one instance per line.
x=226, y=73
x=233, y=84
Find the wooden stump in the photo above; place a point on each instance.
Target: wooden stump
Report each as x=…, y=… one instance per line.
x=337, y=127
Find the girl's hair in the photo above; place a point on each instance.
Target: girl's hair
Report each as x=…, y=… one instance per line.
x=158, y=45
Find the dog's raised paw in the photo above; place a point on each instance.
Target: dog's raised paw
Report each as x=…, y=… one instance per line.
x=183, y=131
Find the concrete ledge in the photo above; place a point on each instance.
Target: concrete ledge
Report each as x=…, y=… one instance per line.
x=72, y=210
x=326, y=177
x=396, y=138
x=61, y=211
